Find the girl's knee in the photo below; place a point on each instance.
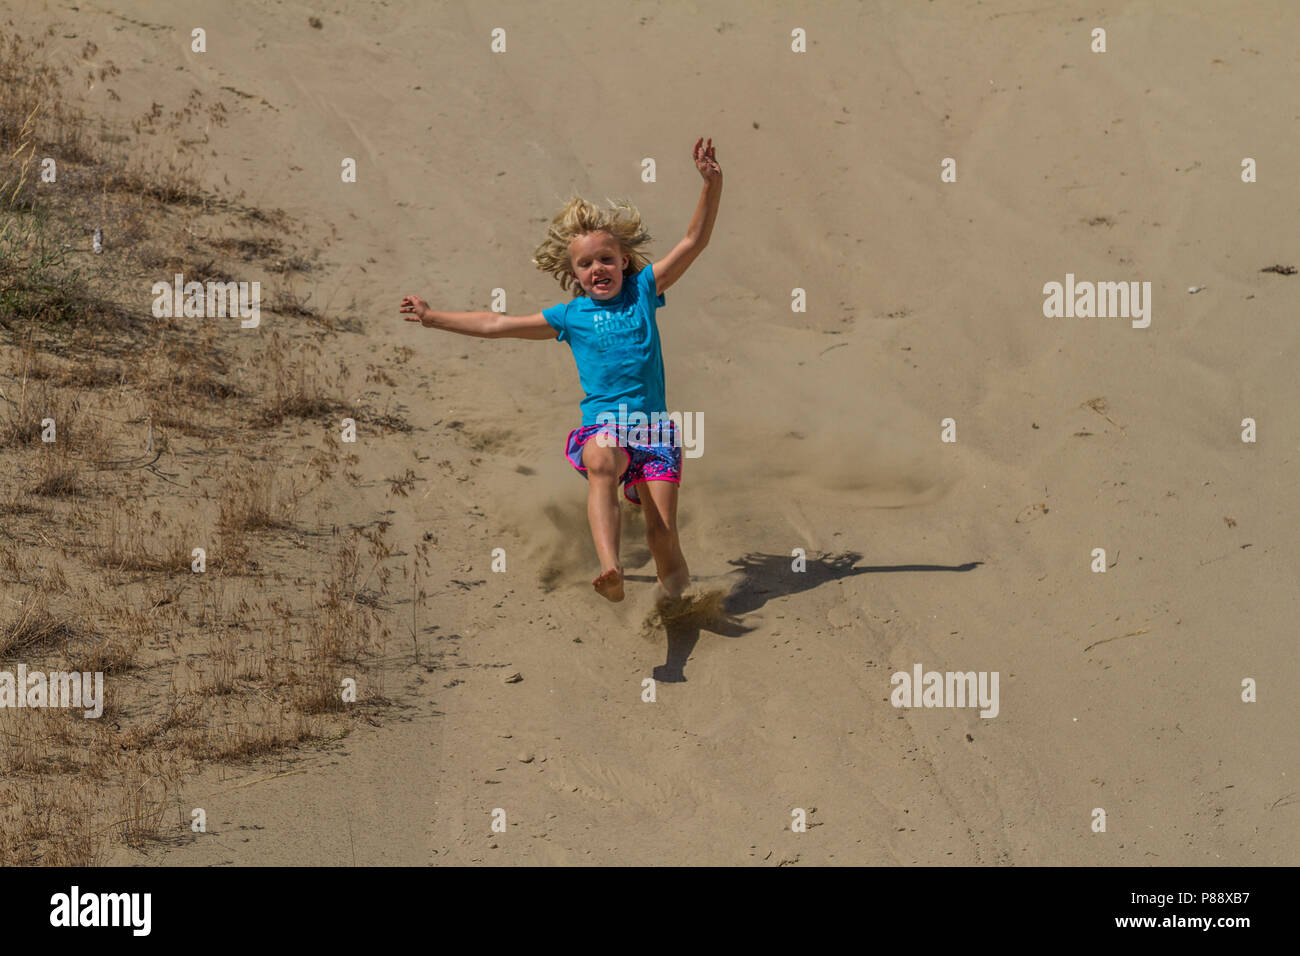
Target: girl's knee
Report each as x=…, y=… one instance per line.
x=606, y=463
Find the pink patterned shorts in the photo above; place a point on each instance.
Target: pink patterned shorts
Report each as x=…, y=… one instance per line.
x=658, y=460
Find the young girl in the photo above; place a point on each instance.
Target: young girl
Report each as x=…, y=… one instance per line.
x=610, y=327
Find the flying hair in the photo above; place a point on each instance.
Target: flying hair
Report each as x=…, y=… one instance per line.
x=579, y=217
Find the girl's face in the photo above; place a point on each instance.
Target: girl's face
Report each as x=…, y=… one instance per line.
x=598, y=264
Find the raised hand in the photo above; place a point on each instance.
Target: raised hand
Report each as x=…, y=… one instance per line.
x=706, y=161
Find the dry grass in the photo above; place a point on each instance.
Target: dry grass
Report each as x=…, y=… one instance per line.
x=34, y=628
x=150, y=504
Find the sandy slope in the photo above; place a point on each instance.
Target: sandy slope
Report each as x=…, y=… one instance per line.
x=822, y=427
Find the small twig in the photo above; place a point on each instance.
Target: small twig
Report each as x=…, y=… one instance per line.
x=1107, y=640
x=276, y=776
x=1097, y=404
x=351, y=840
x=164, y=477
x=124, y=464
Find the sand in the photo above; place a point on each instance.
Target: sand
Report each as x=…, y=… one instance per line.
x=1118, y=690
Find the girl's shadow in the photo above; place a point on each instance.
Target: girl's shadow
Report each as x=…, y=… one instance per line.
x=761, y=577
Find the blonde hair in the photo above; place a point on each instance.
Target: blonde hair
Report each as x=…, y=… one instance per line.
x=579, y=217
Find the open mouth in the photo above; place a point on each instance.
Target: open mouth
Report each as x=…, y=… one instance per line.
x=602, y=284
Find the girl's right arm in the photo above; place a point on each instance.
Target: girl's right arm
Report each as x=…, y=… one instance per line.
x=486, y=325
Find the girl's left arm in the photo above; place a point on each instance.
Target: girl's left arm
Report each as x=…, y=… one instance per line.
x=672, y=266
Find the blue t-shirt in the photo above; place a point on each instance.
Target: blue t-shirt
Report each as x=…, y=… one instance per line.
x=615, y=344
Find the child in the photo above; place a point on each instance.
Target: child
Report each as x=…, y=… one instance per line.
x=610, y=327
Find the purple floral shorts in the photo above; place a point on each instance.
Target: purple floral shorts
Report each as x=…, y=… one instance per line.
x=659, y=459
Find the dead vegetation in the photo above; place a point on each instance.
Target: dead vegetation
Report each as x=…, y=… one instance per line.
x=156, y=525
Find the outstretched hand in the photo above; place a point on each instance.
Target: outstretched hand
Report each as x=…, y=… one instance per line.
x=706, y=161
x=414, y=307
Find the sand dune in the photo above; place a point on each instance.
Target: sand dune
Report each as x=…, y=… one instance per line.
x=1119, y=690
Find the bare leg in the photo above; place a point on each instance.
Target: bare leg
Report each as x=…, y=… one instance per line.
x=604, y=466
x=659, y=502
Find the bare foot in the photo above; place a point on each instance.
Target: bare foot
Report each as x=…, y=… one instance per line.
x=672, y=586
x=667, y=608
x=610, y=584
